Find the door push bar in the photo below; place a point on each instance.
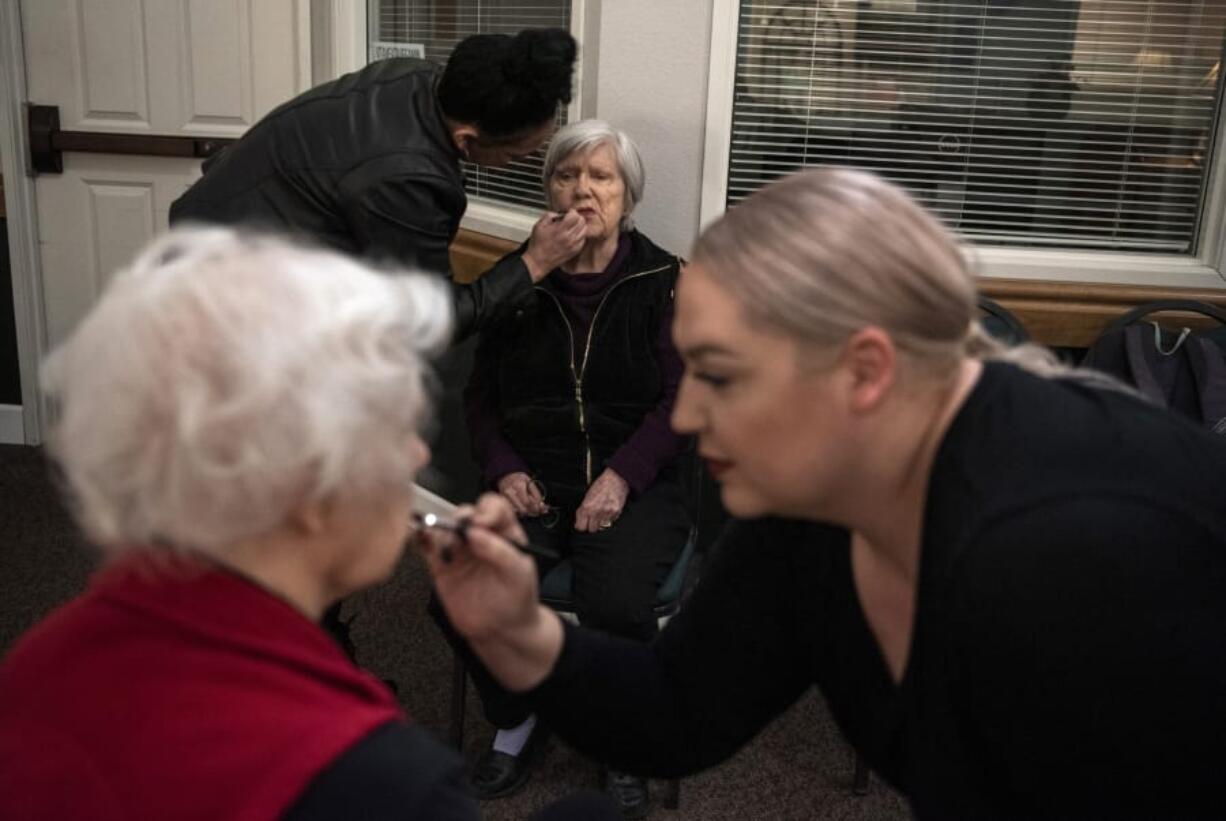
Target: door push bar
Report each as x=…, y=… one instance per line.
x=47, y=142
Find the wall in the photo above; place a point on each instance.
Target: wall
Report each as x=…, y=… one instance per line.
x=652, y=82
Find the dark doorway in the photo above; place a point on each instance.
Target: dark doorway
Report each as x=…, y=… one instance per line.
x=10, y=370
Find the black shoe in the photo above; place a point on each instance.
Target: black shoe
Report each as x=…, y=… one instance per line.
x=629, y=793
x=498, y=774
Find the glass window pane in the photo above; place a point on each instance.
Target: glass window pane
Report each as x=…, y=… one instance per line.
x=1039, y=123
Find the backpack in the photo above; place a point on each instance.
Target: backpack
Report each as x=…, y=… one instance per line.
x=1180, y=369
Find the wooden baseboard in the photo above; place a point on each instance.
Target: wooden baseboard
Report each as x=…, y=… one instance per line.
x=1070, y=314
x=1073, y=314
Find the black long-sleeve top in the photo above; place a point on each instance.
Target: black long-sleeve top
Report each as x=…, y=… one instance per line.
x=400, y=773
x=1069, y=649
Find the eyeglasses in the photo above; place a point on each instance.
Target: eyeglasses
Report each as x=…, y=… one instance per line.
x=552, y=515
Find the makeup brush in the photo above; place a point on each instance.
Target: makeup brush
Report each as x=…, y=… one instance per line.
x=460, y=528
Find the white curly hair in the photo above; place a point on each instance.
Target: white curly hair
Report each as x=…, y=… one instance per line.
x=223, y=379
x=583, y=136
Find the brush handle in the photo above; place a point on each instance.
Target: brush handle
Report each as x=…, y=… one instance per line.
x=460, y=528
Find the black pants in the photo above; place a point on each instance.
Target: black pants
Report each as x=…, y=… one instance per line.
x=616, y=575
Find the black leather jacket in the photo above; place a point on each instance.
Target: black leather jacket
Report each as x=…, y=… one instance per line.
x=363, y=164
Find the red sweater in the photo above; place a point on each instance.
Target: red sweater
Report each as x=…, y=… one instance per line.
x=175, y=692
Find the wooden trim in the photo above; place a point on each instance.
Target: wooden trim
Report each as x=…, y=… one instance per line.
x=472, y=254
x=1073, y=314
x=22, y=220
x=1069, y=314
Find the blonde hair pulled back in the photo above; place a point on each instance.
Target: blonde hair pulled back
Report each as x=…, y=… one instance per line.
x=822, y=253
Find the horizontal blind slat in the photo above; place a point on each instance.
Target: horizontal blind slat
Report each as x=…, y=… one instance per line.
x=1035, y=123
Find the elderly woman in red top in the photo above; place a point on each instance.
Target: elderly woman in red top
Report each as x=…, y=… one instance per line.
x=238, y=428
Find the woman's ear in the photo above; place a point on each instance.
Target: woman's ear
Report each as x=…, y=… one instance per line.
x=871, y=360
x=311, y=518
x=464, y=136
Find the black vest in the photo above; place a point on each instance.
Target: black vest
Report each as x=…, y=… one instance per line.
x=564, y=417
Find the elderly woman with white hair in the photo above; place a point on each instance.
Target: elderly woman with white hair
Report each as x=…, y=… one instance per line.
x=237, y=427
x=568, y=405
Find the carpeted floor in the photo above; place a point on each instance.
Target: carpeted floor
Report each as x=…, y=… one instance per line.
x=799, y=767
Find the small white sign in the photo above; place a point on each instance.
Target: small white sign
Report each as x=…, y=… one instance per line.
x=381, y=50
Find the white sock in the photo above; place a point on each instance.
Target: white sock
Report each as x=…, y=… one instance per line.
x=513, y=740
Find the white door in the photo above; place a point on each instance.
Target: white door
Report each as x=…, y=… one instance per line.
x=194, y=68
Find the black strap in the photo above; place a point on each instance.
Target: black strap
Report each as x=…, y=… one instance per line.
x=1191, y=305
x=993, y=308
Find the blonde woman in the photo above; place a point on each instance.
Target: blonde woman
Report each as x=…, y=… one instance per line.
x=1006, y=579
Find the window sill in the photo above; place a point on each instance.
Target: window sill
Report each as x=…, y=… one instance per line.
x=1105, y=268
x=509, y=222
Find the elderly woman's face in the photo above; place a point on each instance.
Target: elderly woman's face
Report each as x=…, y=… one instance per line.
x=591, y=183
x=771, y=433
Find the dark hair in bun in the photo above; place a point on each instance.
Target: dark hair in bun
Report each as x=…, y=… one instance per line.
x=508, y=85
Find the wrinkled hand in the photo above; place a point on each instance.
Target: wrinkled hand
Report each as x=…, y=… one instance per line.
x=523, y=494
x=485, y=584
x=602, y=503
x=554, y=240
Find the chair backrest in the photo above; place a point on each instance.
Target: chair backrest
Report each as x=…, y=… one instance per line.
x=1000, y=323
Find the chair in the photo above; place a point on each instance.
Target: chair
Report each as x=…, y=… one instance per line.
x=556, y=593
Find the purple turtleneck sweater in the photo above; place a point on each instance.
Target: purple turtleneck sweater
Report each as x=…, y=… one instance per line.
x=652, y=446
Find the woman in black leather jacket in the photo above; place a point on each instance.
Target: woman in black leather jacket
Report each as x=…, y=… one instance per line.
x=369, y=164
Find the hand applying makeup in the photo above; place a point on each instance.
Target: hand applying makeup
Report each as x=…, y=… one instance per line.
x=556, y=237
x=489, y=591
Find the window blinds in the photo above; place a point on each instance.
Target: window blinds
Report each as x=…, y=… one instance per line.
x=436, y=26
x=1034, y=123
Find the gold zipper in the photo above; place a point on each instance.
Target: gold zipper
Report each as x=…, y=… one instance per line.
x=587, y=347
x=570, y=333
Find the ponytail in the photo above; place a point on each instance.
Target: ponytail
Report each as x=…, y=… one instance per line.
x=1037, y=359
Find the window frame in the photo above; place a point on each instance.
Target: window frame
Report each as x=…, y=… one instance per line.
x=487, y=216
x=1200, y=269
